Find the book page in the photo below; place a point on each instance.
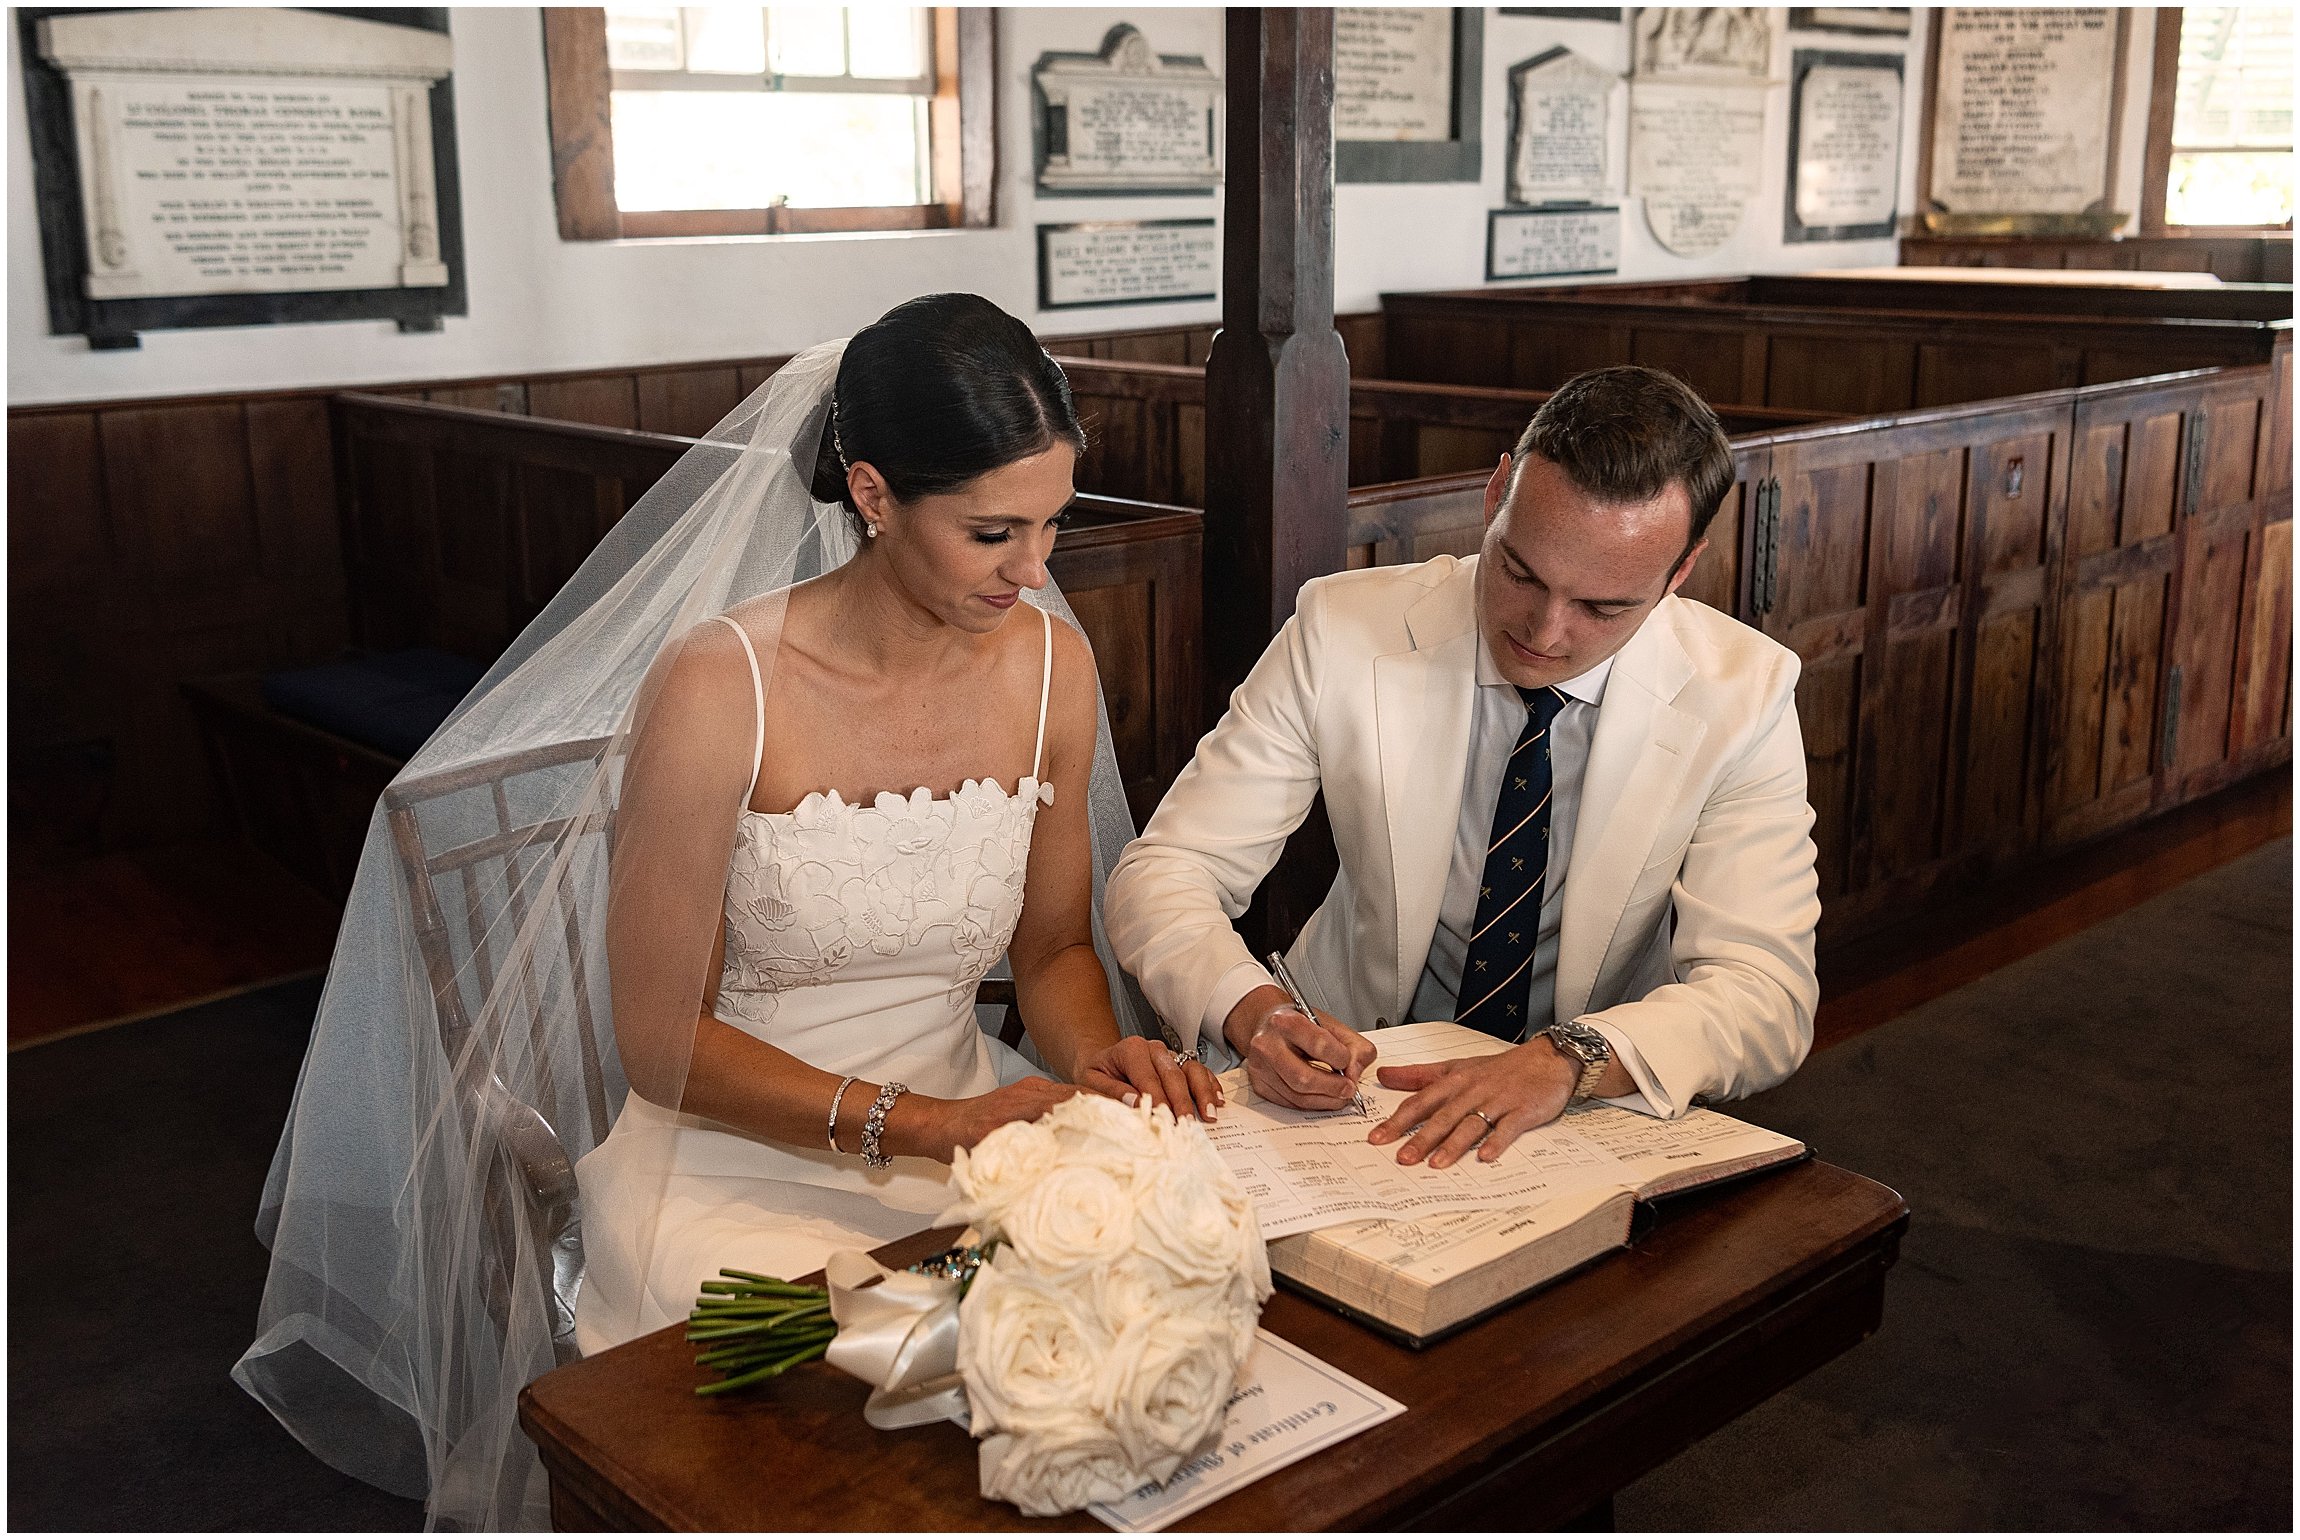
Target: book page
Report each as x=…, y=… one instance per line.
x=1663, y=1154
x=1308, y=1170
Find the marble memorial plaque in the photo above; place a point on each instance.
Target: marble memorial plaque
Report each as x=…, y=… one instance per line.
x=251, y=152
x=1127, y=264
x=1845, y=146
x=1393, y=75
x=1701, y=42
x=1551, y=243
x=2021, y=119
x=1693, y=158
x=1561, y=121
x=1127, y=119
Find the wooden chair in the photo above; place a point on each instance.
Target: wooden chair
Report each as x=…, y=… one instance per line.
x=531, y=1199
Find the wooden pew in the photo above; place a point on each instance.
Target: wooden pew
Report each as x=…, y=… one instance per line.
x=1146, y=427
x=1853, y=346
x=458, y=525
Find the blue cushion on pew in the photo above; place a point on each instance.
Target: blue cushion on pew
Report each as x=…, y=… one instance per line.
x=391, y=701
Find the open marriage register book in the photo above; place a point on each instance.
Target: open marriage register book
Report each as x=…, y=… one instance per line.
x=1418, y=1252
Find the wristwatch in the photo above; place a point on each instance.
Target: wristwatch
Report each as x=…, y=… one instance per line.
x=1585, y=1045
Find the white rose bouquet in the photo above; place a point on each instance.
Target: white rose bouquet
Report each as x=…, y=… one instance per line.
x=1099, y=1343
x=1101, y=1312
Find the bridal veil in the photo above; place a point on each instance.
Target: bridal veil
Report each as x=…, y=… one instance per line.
x=421, y=1211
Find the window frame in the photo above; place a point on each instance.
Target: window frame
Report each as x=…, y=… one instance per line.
x=2156, y=162
x=960, y=113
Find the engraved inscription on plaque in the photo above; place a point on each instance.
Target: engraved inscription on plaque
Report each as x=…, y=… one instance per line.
x=1561, y=119
x=1126, y=264
x=1552, y=243
x=2020, y=123
x=1393, y=75
x=1127, y=119
x=251, y=152
x=1693, y=158
x=1844, y=147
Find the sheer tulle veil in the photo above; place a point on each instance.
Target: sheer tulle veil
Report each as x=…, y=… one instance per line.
x=422, y=1270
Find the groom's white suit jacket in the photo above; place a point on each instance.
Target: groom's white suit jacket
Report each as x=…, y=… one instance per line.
x=1690, y=898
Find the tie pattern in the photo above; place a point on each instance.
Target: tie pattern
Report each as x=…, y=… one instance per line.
x=1495, y=981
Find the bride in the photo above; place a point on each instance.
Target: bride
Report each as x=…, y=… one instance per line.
x=807, y=746
x=879, y=865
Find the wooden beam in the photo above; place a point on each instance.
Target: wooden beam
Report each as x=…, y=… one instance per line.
x=1277, y=380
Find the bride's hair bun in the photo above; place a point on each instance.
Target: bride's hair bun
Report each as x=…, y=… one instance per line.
x=938, y=391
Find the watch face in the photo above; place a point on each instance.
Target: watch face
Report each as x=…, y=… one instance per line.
x=1584, y=1043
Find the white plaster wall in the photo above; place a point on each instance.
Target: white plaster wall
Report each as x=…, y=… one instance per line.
x=539, y=303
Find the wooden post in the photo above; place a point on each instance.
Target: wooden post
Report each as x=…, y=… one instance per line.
x=1277, y=380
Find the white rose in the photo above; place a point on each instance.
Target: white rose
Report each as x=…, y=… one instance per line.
x=1163, y=1389
x=1027, y=1358
x=998, y=1170
x=1132, y=1289
x=1057, y=1471
x=1184, y=1224
x=1106, y=1133
x=1074, y=1216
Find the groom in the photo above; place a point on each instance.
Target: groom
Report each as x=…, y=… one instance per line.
x=1570, y=808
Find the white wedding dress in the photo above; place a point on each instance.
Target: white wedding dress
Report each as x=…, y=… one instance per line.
x=855, y=938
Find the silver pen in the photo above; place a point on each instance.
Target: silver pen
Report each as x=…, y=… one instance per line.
x=1285, y=977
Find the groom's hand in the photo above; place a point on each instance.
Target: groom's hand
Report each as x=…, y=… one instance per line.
x=1482, y=1103
x=1279, y=1043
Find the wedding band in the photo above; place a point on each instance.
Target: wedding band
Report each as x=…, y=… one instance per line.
x=1481, y=1117
x=1185, y=1056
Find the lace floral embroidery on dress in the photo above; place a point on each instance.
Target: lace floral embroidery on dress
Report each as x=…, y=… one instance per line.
x=810, y=889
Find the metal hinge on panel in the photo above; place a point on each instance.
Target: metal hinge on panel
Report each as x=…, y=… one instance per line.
x=1765, y=579
x=2171, y=717
x=2192, y=474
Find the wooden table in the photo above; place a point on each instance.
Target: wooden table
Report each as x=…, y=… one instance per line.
x=1530, y=1419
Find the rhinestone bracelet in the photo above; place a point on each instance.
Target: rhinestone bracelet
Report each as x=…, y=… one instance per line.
x=874, y=1123
x=831, y=1125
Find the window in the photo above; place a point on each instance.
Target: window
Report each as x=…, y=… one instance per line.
x=2220, y=121
x=721, y=120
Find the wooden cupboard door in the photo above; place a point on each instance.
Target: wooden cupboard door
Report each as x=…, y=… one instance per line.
x=1811, y=594
x=2219, y=517
x=2015, y=523
x=2123, y=503
x=2261, y=720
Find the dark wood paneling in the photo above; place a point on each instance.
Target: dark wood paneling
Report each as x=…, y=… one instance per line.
x=688, y=402
x=1858, y=345
x=2234, y=259
x=1838, y=375
x=612, y=402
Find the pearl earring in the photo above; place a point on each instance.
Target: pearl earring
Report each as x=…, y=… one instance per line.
x=870, y=531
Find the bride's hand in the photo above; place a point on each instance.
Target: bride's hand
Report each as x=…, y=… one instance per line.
x=1145, y=1066
x=961, y=1124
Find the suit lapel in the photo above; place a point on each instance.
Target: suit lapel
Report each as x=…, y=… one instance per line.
x=1423, y=701
x=1638, y=759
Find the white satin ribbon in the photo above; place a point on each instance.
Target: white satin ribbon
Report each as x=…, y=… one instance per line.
x=898, y=1332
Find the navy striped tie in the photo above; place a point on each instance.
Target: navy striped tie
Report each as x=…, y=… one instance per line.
x=1494, y=974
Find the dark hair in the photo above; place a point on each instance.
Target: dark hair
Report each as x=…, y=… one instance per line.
x=1624, y=433
x=938, y=391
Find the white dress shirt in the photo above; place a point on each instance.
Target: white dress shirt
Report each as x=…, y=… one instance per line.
x=1497, y=720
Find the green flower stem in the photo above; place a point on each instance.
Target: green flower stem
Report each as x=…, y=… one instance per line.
x=768, y=1372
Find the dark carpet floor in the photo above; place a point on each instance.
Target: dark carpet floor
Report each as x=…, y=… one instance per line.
x=135, y=1159
x=2091, y=1323
x=2090, y=1326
